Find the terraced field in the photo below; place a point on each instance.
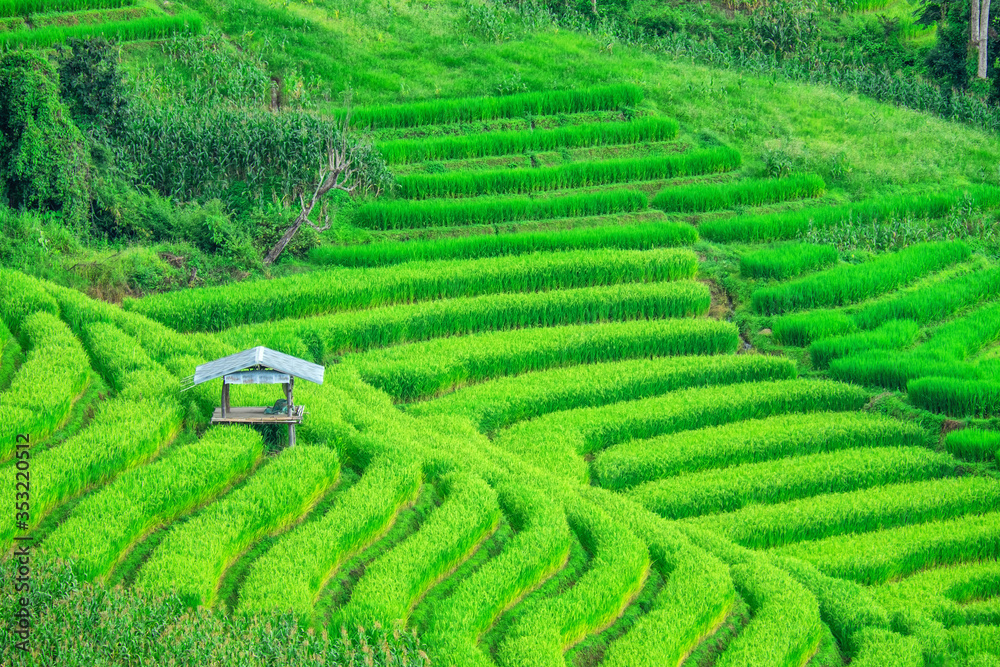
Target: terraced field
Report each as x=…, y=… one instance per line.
x=553, y=430
x=43, y=23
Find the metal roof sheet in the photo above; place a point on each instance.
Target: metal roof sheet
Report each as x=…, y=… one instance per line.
x=259, y=356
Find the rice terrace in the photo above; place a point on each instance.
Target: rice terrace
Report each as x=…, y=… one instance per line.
x=482, y=333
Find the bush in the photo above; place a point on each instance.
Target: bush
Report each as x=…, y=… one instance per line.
x=91, y=83
x=44, y=163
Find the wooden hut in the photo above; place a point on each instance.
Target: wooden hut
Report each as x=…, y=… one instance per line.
x=259, y=365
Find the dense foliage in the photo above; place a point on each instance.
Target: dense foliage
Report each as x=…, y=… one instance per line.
x=44, y=161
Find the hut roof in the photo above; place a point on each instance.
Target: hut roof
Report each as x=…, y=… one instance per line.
x=259, y=356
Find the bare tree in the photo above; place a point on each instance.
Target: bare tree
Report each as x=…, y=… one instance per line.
x=980, y=28
x=342, y=169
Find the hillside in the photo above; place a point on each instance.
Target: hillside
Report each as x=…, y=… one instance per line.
x=629, y=358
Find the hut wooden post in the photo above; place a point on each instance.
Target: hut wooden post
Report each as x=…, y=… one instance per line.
x=225, y=398
x=289, y=388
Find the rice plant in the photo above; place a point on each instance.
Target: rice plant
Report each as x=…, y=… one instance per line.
x=21, y=296
x=395, y=581
x=877, y=557
x=932, y=303
x=154, y=27
x=194, y=555
x=964, y=336
x=54, y=373
x=955, y=397
x=400, y=214
x=158, y=341
x=751, y=441
x=701, y=197
x=558, y=440
x=406, y=151
x=787, y=260
x=123, y=433
x=502, y=402
x=421, y=370
x=309, y=555
x=786, y=628
x=641, y=236
x=943, y=355
x=216, y=308
x=782, y=480
x=893, y=335
x=971, y=444
x=617, y=570
x=800, y=329
x=465, y=109
x=105, y=525
x=125, y=365
x=877, y=646
x=572, y=175
x=100, y=16
x=320, y=337
x=893, y=370
x=538, y=550
x=696, y=597
x=853, y=283
x=790, y=225
x=953, y=595
x=762, y=526
x=26, y=7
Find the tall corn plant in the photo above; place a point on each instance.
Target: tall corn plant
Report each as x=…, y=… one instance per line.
x=349, y=165
x=195, y=153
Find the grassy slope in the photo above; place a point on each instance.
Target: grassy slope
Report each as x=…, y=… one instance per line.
x=401, y=51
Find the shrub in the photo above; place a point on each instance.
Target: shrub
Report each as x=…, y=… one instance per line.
x=44, y=161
